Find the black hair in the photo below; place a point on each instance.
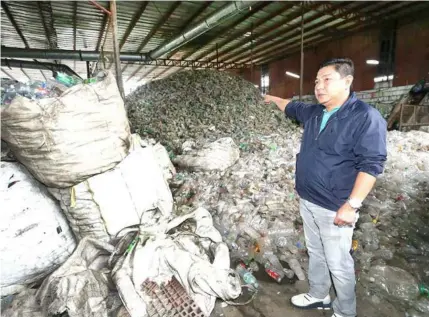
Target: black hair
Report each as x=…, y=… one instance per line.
x=344, y=66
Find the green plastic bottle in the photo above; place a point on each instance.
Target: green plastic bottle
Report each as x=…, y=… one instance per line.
x=66, y=80
x=424, y=290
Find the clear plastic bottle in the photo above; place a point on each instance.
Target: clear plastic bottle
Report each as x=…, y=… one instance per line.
x=247, y=276
x=289, y=273
x=296, y=267
x=251, y=232
x=274, y=273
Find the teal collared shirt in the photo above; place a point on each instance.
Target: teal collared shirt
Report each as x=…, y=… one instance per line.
x=326, y=116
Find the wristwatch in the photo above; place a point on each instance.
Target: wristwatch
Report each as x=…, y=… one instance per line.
x=355, y=203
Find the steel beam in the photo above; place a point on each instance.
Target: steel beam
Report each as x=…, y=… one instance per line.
x=25, y=73
x=278, y=32
x=13, y=52
x=45, y=6
x=152, y=32
x=189, y=22
x=277, y=28
x=246, y=16
x=258, y=7
x=159, y=24
x=293, y=32
x=75, y=24
x=393, y=12
x=102, y=30
x=14, y=24
x=15, y=63
x=165, y=62
x=43, y=75
x=133, y=22
x=241, y=33
x=7, y=73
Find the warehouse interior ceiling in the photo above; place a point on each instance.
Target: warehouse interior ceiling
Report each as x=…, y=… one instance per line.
x=257, y=33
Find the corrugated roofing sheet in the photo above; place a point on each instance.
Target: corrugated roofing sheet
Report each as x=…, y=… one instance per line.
x=270, y=31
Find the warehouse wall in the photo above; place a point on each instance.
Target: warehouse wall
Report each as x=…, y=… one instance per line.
x=412, y=60
x=412, y=53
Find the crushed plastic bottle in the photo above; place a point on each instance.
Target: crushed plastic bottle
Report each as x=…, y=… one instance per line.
x=296, y=267
x=246, y=275
x=289, y=273
x=273, y=273
x=253, y=266
x=424, y=290
x=251, y=232
x=67, y=80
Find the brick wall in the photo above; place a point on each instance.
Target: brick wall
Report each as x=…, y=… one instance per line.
x=412, y=61
x=382, y=99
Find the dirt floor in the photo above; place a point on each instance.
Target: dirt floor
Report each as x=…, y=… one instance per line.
x=273, y=300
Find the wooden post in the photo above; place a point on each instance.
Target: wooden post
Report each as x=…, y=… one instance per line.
x=116, y=51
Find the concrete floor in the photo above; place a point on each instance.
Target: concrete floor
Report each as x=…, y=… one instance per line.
x=273, y=300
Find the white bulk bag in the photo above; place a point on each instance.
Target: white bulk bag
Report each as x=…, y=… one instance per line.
x=106, y=203
x=62, y=141
x=35, y=237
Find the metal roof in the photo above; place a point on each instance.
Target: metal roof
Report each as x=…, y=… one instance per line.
x=267, y=31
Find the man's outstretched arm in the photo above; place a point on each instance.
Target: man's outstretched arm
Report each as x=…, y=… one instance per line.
x=280, y=102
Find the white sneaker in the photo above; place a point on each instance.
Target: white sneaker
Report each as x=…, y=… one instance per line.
x=336, y=315
x=306, y=301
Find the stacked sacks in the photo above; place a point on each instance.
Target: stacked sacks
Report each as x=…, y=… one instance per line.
x=78, y=145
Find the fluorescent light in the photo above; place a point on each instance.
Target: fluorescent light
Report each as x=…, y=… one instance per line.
x=256, y=86
x=383, y=78
x=292, y=74
x=372, y=62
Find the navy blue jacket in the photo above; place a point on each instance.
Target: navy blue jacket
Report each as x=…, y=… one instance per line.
x=353, y=141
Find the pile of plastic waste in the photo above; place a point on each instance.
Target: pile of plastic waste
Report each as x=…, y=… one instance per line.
x=253, y=201
x=202, y=105
x=35, y=90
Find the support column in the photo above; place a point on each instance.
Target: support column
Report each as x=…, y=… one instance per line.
x=116, y=52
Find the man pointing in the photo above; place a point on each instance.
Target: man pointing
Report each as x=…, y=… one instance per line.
x=343, y=149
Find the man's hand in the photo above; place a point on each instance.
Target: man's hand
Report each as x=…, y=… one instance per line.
x=346, y=215
x=280, y=102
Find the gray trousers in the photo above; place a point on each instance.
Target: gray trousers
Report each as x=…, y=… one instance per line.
x=329, y=249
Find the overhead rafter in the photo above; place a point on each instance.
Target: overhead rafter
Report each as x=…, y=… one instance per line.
x=102, y=30
x=44, y=7
x=295, y=30
x=189, y=22
x=133, y=22
x=74, y=23
x=7, y=73
x=43, y=75
x=25, y=73
x=293, y=40
x=240, y=33
x=392, y=11
x=152, y=32
x=315, y=33
x=165, y=62
x=15, y=25
x=275, y=29
x=246, y=16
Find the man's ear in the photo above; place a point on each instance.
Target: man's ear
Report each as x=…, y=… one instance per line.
x=349, y=80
